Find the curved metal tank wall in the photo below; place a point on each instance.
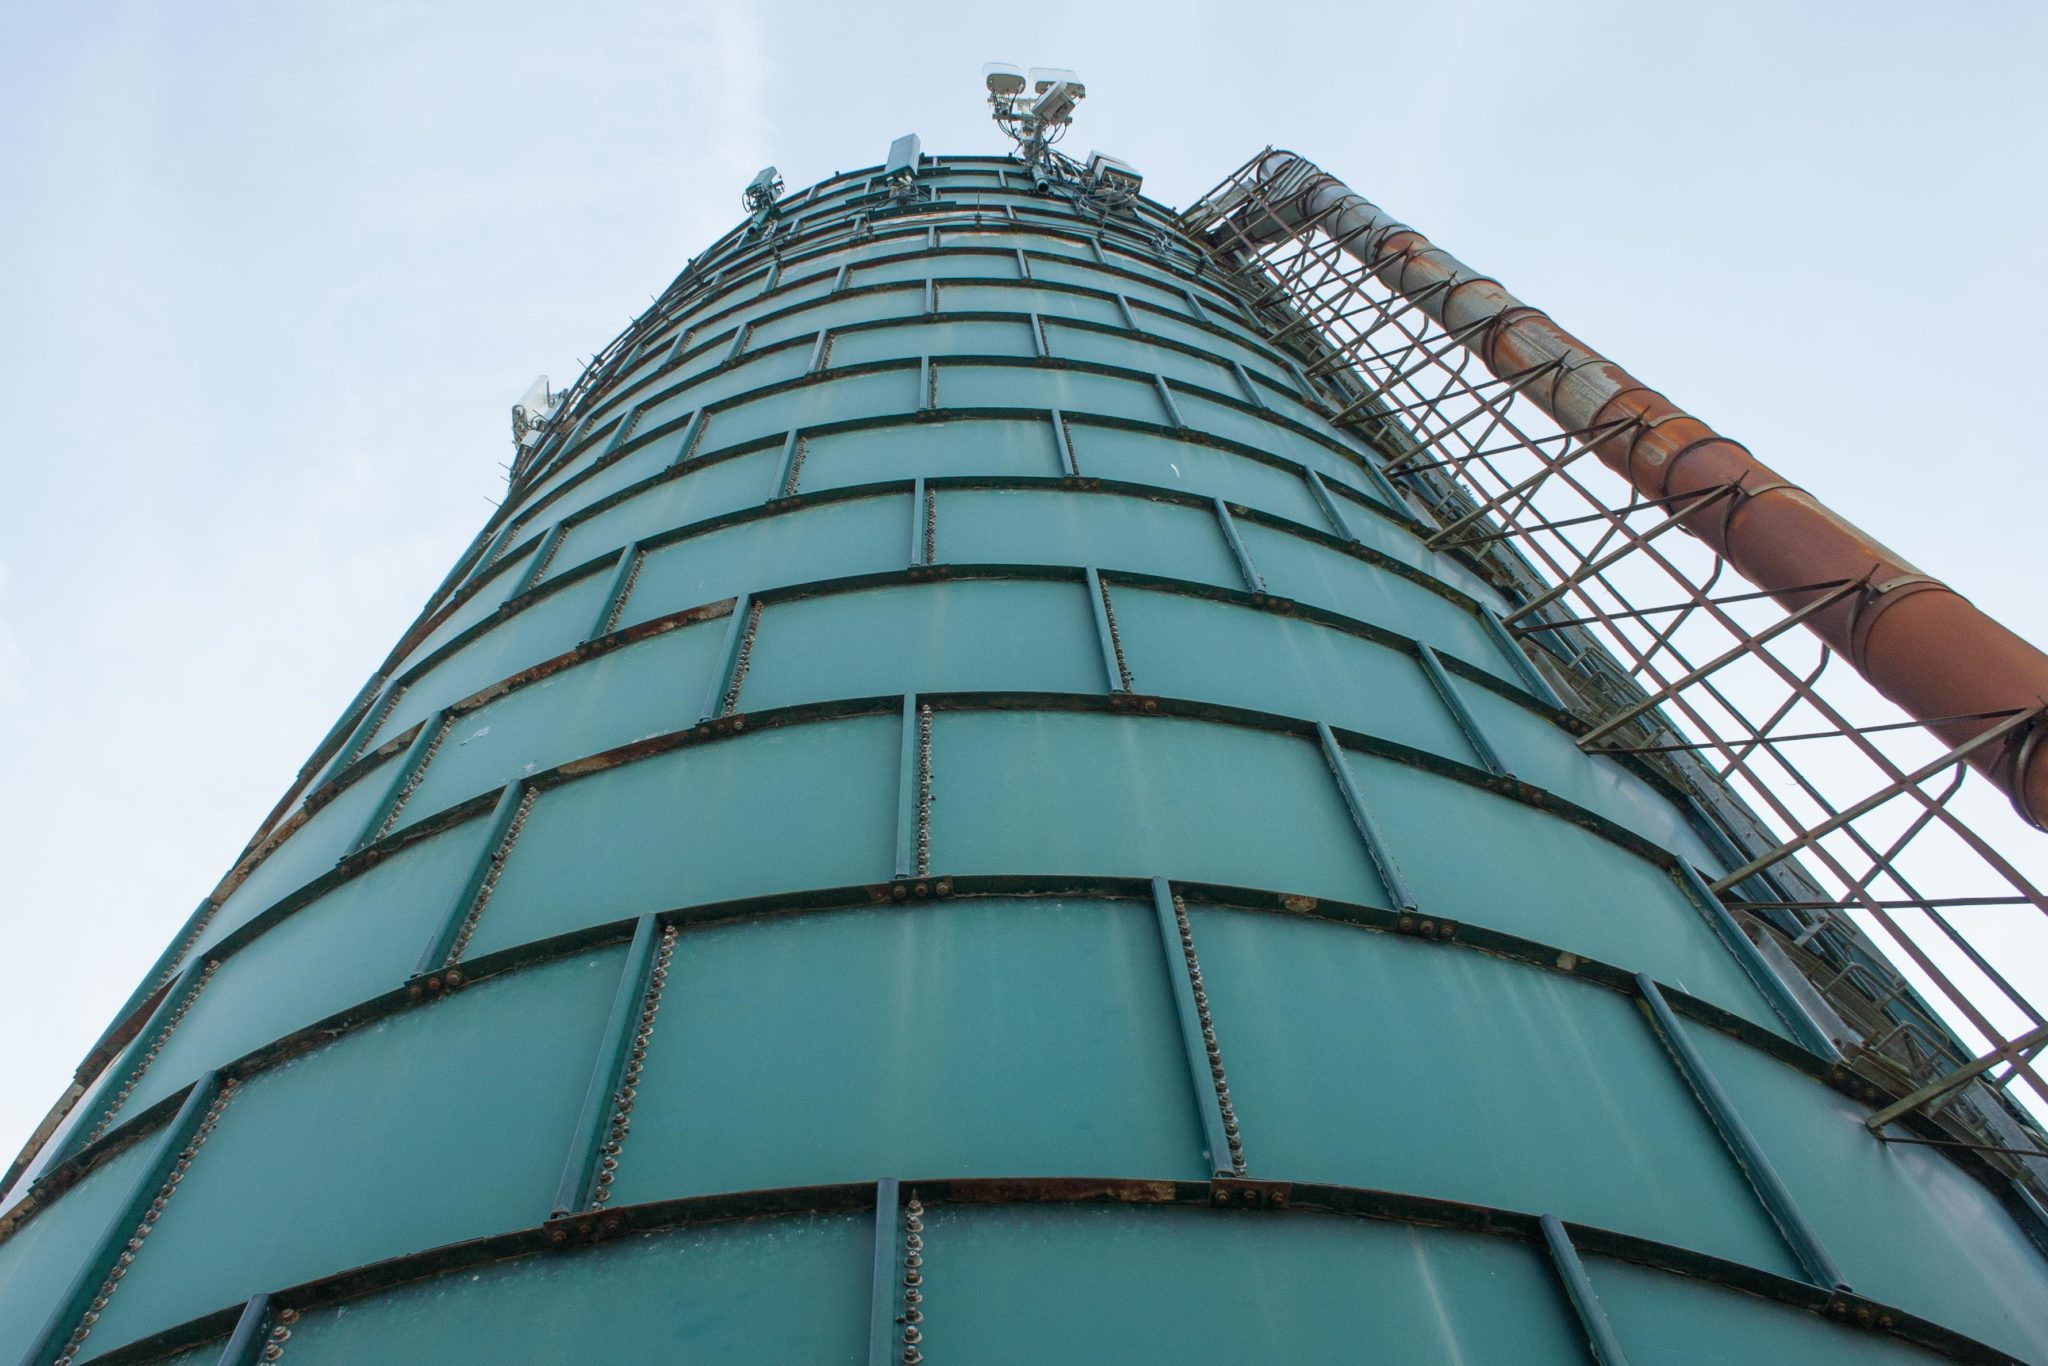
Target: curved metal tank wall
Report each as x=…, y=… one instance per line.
x=960, y=822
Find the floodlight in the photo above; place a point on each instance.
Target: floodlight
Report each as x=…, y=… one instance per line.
x=1002, y=79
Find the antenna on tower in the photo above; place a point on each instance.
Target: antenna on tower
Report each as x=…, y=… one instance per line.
x=1036, y=122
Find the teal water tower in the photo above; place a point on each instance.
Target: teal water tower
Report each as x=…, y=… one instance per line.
x=953, y=817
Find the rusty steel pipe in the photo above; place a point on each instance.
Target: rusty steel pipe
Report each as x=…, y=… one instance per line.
x=1915, y=639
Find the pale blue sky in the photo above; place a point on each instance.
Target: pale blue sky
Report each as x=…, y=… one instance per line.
x=274, y=274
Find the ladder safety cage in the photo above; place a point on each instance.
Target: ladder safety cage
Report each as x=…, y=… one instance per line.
x=1862, y=853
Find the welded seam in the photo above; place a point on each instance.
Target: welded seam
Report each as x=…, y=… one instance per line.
x=1209, y=1044
x=1116, y=641
x=414, y=778
x=629, y=1080
x=745, y=656
x=490, y=882
x=156, y=1046
x=913, y=1282
x=142, y=1230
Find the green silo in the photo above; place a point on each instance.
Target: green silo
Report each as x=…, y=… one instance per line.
x=951, y=816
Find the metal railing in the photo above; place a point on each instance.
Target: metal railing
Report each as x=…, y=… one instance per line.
x=1862, y=849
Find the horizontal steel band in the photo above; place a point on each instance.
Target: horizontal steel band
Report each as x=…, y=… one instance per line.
x=1272, y=1199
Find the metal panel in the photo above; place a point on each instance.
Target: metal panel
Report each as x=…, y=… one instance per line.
x=1565, y=885
x=357, y=940
x=1666, y=1320
x=873, y=454
x=1144, y=458
x=1296, y=567
x=790, y=1290
x=430, y=1126
x=1135, y=535
x=798, y=806
x=824, y=541
x=705, y=490
x=41, y=1259
x=540, y=630
x=987, y=634
x=647, y=688
x=1184, y=646
x=1018, y=792
x=824, y=1048
x=836, y=399
x=1906, y=1226
x=1349, y=1035
x=1028, y=1285
x=305, y=854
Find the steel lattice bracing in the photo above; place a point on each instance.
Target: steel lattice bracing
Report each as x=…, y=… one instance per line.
x=1698, y=650
x=959, y=813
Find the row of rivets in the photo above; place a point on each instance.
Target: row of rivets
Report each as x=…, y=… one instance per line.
x=145, y=1228
x=185, y=946
x=803, y=444
x=415, y=778
x=156, y=1046
x=383, y=715
x=740, y=662
x=913, y=1283
x=629, y=1081
x=611, y=622
x=924, y=789
x=931, y=526
x=490, y=882
x=1116, y=641
x=1209, y=1044
x=280, y=1334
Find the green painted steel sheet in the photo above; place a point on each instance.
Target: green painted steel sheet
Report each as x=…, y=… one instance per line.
x=1666, y=1320
x=956, y=1038
x=1183, y=646
x=431, y=1126
x=869, y=455
x=358, y=940
x=1135, y=535
x=314, y=848
x=1906, y=1226
x=794, y=807
x=841, y=398
x=1539, y=751
x=1018, y=1287
x=978, y=634
x=778, y=1290
x=1295, y=567
x=648, y=688
x=1361, y=1058
x=1544, y=878
x=548, y=626
x=824, y=541
x=42, y=1259
x=1120, y=796
x=700, y=492
x=1192, y=468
